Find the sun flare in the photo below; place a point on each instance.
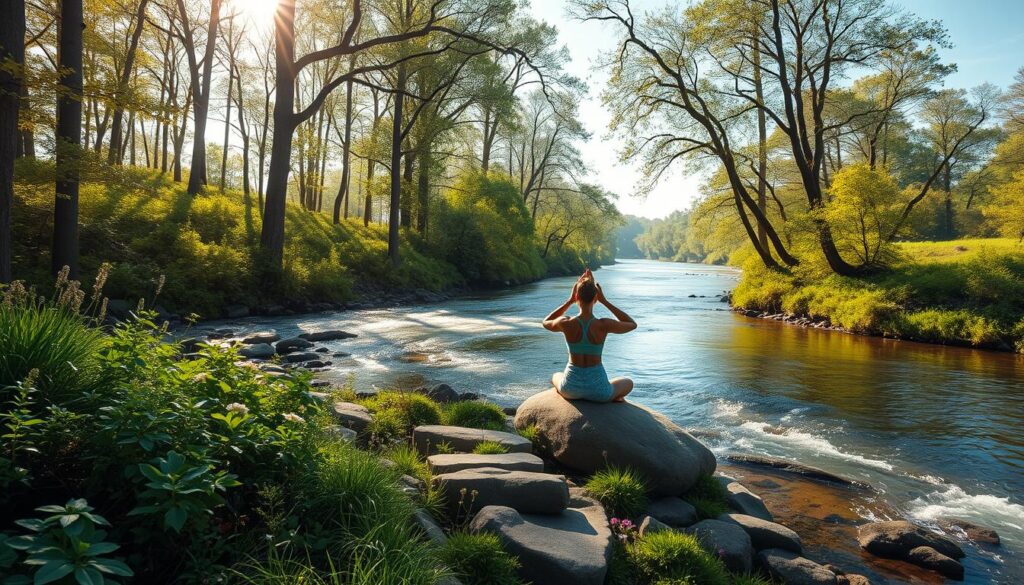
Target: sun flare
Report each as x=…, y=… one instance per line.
x=259, y=12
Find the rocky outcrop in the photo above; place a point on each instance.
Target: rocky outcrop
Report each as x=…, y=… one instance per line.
x=744, y=501
x=570, y=548
x=727, y=541
x=589, y=436
x=765, y=534
x=792, y=569
x=450, y=463
x=899, y=539
x=469, y=490
x=673, y=512
x=428, y=437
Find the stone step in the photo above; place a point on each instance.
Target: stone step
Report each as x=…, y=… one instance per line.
x=450, y=463
x=526, y=491
x=428, y=437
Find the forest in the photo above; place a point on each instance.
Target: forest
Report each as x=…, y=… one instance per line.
x=258, y=151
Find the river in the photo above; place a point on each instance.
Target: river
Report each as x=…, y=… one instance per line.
x=936, y=431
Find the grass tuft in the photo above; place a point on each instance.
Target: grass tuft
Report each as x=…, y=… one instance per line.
x=475, y=414
x=621, y=491
x=479, y=559
x=490, y=448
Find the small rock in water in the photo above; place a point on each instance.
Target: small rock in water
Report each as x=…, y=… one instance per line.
x=970, y=530
x=933, y=560
x=340, y=354
x=329, y=335
x=301, y=357
x=744, y=501
x=259, y=350
x=292, y=344
x=261, y=337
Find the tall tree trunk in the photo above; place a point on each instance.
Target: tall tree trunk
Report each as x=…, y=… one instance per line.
x=122, y=83
x=28, y=136
x=244, y=131
x=69, y=137
x=341, y=201
x=227, y=129
x=200, y=94
x=762, y=150
x=368, y=202
x=407, y=174
x=949, y=227
x=12, y=49
x=396, y=170
x=423, y=189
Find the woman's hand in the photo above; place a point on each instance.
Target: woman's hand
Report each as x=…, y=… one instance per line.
x=600, y=294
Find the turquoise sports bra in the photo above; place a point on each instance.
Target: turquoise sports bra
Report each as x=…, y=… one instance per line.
x=584, y=346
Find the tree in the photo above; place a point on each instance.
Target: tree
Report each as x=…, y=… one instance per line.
x=1006, y=211
x=69, y=138
x=12, y=60
x=113, y=156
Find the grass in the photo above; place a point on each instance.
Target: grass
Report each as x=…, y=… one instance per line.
x=490, y=448
x=621, y=491
x=479, y=559
x=675, y=557
x=963, y=292
x=396, y=414
x=408, y=461
x=475, y=414
x=708, y=496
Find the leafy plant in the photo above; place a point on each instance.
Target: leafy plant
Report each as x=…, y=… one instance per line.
x=479, y=559
x=475, y=414
x=178, y=489
x=621, y=491
x=403, y=411
x=708, y=496
x=67, y=542
x=490, y=448
x=407, y=460
x=677, y=557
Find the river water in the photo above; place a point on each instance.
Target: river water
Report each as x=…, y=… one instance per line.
x=936, y=431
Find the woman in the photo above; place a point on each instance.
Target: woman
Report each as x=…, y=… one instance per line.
x=584, y=377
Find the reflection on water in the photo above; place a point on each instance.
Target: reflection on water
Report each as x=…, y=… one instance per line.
x=938, y=430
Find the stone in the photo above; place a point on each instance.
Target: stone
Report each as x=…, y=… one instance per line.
x=792, y=467
x=744, y=501
x=765, y=534
x=526, y=491
x=852, y=579
x=430, y=527
x=590, y=436
x=970, y=530
x=329, y=335
x=726, y=541
x=439, y=393
x=933, y=560
x=354, y=416
x=302, y=356
x=413, y=482
x=650, y=525
x=793, y=569
x=450, y=463
x=322, y=350
x=469, y=396
x=673, y=511
x=340, y=354
x=316, y=363
x=571, y=548
x=427, y=437
x=261, y=337
x=258, y=351
x=895, y=539
x=292, y=344
x=342, y=433
x=236, y=311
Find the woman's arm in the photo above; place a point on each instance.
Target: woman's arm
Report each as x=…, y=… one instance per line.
x=624, y=323
x=553, y=322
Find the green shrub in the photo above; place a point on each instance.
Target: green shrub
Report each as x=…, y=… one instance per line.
x=708, y=496
x=490, y=448
x=396, y=414
x=751, y=579
x=408, y=460
x=621, y=491
x=479, y=559
x=677, y=557
x=475, y=414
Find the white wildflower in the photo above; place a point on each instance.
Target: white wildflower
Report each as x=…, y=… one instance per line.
x=292, y=417
x=238, y=407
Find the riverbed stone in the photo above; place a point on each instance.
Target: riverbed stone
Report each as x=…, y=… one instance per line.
x=258, y=351
x=261, y=337
x=727, y=541
x=354, y=416
x=590, y=436
x=570, y=548
x=328, y=335
x=970, y=530
x=744, y=501
x=427, y=437
x=933, y=560
x=526, y=491
x=442, y=393
x=450, y=463
x=302, y=356
x=793, y=569
x=765, y=534
x=673, y=511
x=895, y=539
x=292, y=344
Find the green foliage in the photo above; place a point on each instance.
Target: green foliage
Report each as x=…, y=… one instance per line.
x=178, y=489
x=751, y=579
x=476, y=414
x=621, y=491
x=479, y=559
x=864, y=210
x=408, y=461
x=675, y=557
x=67, y=543
x=708, y=496
x=490, y=448
x=396, y=414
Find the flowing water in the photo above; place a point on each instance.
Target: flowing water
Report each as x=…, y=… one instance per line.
x=936, y=431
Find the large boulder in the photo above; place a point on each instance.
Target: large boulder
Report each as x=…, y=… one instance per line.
x=765, y=534
x=744, y=501
x=792, y=569
x=727, y=541
x=450, y=463
x=895, y=539
x=673, y=511
x=589, y=436
x=570, y=548
x=428, y=437
x=529, y=492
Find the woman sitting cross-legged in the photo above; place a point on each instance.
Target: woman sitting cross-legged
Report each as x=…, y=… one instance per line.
x=584, y=377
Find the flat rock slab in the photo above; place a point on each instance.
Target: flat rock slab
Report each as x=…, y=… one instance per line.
x=895, y=539
x=329, y=335
x=526, y=491
x=450, y=463
x=793, y=467
x=744, y=501
x=354, y=416
x=727, y=541
x=427, y=437
x=793, y=569
x=590, y=436
x=571, y=548
x=765, y=534
x=673, y=511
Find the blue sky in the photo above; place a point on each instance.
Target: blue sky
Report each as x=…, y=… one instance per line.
x=988, y=38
